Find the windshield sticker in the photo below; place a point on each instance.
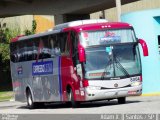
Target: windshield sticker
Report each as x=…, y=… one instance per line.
x=20, y=70
x=85, y=34
x=95, y=74
x=42, y=68
x=109, y=34
x=110, y=39
x=98, y=74
x=108, y=49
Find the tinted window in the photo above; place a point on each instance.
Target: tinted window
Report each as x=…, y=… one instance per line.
x=13, y=55
x=64, y=47
x=40, y=48
x=74, y=44
x=44, y=48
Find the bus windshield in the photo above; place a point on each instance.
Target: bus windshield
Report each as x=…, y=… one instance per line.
x=111, y=54
x=109, y=36
x=114, y=61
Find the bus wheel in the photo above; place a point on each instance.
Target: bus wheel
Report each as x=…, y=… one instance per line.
x=122, y=100
x=30, y=102
x=74, y=103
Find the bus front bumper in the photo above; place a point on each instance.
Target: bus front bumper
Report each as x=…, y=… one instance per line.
x=91, y=95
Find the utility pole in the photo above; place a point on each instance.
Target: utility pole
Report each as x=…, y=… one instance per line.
x=102, y=15
x=118, y=6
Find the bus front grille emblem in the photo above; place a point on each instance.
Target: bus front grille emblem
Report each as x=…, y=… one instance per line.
x=116, y=85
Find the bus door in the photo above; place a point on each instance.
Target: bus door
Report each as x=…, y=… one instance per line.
x=77, y=66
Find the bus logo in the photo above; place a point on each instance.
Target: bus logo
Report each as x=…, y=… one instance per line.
x=42, y=68
x=116, y=85
x=19, y=70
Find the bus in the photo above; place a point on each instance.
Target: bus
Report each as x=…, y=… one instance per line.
x=79, y=61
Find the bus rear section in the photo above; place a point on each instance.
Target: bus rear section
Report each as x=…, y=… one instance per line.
x=37, y=62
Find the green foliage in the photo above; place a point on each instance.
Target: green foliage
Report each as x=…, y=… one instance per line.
x=4, y=51
x=7, y=34
x=33, y=31
x=27, y=32
x=11, y=33
x=34, y=26
x=6, y=95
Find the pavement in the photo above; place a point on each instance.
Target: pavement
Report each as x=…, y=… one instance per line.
x=146, y=107
x=141, y=104
x=9, y=104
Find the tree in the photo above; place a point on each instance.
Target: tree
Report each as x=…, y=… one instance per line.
x=33, y=31
x=5, y=78
x=6, y=34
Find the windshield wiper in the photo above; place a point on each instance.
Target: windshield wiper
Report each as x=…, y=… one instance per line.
x=120, y=66
x=105, y=69
x=116, y=63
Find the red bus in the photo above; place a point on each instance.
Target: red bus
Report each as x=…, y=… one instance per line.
x=79, y=61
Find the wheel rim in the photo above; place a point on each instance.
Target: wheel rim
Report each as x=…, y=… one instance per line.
x=29, y=100
x=69, y=96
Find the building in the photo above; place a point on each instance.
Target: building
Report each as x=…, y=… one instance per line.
x=144, y=15
x=44, y=22
x=111, y=14
x=20, y=22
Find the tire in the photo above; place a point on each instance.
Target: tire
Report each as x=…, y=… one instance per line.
x=122, y=100
x=71, y=99
x=30, y=103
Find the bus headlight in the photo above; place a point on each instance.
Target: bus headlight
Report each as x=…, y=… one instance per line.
x=94, y=88
x=136, y=83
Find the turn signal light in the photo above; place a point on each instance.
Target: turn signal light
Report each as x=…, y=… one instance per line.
x=141, y=78
x=85, y=83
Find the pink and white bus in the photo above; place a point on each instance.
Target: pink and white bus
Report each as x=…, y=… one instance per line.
x=79, y=61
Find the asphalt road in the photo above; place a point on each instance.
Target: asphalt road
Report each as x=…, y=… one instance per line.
x=134, y=105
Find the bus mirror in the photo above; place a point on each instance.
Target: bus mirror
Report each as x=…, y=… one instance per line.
x=144, y=47
x=81, y=51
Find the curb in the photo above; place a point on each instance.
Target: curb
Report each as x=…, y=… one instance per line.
x=151, y=94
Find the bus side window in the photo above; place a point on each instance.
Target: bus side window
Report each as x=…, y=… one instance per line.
x=64, y=46
x=74, y=41
x=45, y=51
x=13, y=54
x=35, y=48
x=52, y=40
x=40, y=49
x=57, y=45
x=29, y=51
x=17, y=52
x=21, y=51
x=67, y=45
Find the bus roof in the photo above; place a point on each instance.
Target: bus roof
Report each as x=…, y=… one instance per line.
x=78, y=26
x=99, y=26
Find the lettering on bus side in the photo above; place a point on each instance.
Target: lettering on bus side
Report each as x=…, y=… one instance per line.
x=42, y=68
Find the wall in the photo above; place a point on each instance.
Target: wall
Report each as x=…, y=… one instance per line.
x=111, y=14
x=19, y=22
x=44, y=22
x=147, y=26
